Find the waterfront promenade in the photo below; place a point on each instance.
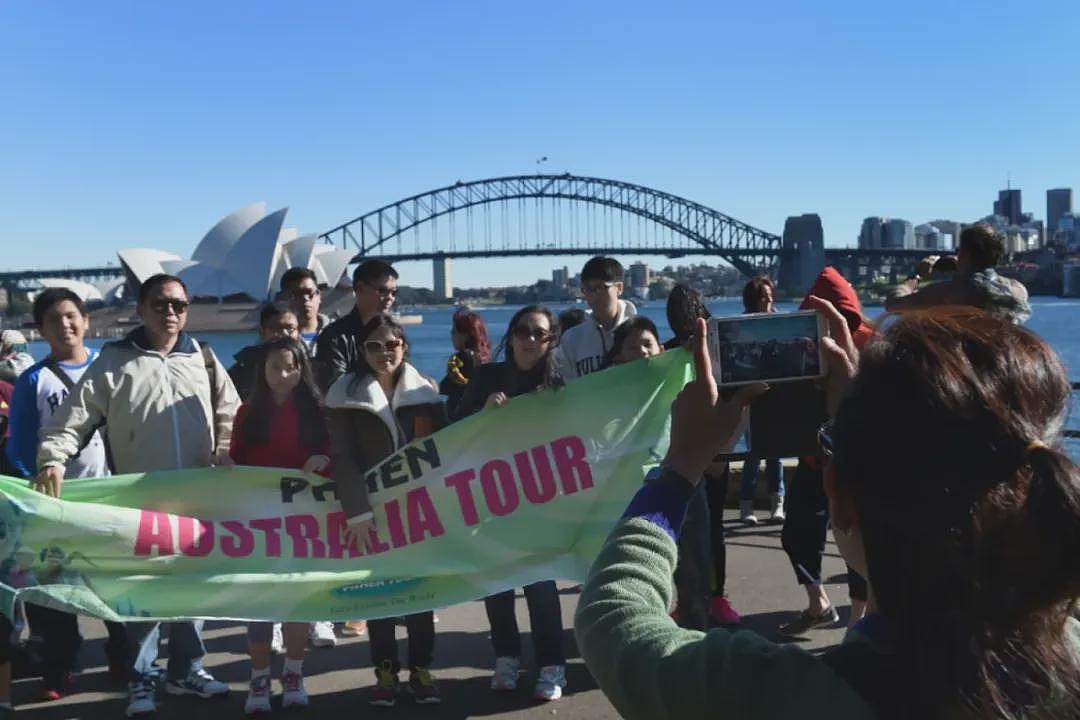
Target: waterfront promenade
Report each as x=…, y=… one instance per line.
x=760, y=584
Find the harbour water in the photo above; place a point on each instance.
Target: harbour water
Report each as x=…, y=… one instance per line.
x=1052, y=318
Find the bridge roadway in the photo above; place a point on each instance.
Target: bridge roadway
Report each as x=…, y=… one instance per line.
x=760, y=584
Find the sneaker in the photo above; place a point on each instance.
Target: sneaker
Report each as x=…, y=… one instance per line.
x=722, y=613
x=258, y=698
x=550, y=682
x=506, y=673
x=140, y=698
x=354, y=628
x=292, y=690
x=56, y=688
x=199, y=683
x=322, y=634
x=746, y=512
x=422, y=687
x=808, y=621
x=776, y=517
x=386, y=687
x=277, y=640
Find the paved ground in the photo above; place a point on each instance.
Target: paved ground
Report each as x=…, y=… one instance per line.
x=760, y=584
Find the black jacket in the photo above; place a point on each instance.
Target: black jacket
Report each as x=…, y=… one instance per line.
x=338, y=348
x=244, y=369
x=501, y=377
x=459, y=371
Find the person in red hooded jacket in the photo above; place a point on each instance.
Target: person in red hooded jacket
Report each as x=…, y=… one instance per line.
x=807, y=510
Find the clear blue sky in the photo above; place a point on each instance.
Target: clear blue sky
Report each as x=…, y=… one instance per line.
x=139, y=124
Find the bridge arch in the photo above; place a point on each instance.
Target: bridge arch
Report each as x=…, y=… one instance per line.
x=707, y=231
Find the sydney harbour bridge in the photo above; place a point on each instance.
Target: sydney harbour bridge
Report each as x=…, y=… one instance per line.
x=559, y=215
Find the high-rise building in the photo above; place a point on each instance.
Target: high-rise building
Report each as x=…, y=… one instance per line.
x=639, y=275
x=1009, y=206
x=899, y=235
x=872, y=233
x=928, y=237
x=1058, y=202
x=950, y=230
x=560, y=277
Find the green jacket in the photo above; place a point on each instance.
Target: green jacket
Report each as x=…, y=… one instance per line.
x=653, y=670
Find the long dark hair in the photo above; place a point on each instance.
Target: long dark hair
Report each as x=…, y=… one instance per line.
x=948, y=442
x=471, y=325
x=549, y=368
x=311, y=426
x=360, y=366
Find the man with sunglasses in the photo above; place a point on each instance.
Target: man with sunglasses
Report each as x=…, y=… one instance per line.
x=585, y=347
x=165, y=403
x=341, y=344
x=300, y=289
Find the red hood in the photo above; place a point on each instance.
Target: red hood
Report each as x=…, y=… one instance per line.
x=832, y=286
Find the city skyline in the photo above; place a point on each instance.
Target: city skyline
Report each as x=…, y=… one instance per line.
x=139, y=125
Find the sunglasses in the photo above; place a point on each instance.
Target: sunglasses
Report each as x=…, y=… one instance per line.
x=825, y=441
x=161, y=306
x=535, y=334
x=593, y=288
x=375, y=347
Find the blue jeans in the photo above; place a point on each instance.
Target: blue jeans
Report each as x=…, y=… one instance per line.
x=185, y=647
x=774, y=472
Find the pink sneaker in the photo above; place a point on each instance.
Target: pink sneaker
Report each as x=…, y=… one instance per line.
x=722, y=612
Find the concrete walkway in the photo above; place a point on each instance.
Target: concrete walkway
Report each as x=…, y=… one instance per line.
x=760, y=584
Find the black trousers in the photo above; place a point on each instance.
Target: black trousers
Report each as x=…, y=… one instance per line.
x=384, y=649
x=545, y=620
x=59, y=632
x=717, y=495
x=695, y=568
x=806, y=527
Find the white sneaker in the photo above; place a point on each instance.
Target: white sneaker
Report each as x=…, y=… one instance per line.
x=292, y=690
x=321, y=634
x=506, y=673
x=550, y=682
x=258, y=698
x=746, y=512
x=140, y=699
x=199, y=683
x=277, y=640
x=777, y=516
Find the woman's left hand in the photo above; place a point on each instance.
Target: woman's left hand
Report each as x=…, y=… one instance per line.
x=358, y=532
x=316, y=464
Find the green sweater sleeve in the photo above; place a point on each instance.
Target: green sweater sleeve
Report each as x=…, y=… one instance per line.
x=651, y=669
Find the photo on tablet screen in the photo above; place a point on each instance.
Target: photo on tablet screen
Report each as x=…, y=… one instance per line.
x=772, y=347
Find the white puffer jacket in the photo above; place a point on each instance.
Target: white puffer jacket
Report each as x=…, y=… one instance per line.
x=155, y=409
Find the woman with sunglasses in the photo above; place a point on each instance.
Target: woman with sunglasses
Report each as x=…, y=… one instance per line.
x=948, y=488
x=530, y=365
x=382, y=405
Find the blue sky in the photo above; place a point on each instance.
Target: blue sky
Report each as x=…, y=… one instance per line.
x=133, y=124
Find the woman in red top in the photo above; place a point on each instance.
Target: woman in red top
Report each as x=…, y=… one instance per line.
x=281, y=425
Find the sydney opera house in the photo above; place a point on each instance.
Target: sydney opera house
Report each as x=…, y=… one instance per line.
x=245, y=254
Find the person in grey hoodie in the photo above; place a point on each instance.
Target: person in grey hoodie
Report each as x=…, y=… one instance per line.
x=584, y=348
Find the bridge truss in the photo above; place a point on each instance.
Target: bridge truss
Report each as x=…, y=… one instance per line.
x=527, y=215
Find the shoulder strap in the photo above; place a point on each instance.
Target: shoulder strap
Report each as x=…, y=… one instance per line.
x=54, y=367
x=211, y=374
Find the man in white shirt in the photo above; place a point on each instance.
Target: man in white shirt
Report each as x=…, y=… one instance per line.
x=584, y=348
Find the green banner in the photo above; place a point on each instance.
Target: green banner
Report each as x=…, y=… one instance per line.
x=509, y=496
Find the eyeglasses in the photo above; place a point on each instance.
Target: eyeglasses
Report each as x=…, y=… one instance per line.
x=375, y=347
x=539, y=335
x=825, y=441
x=306, y=294
x=593, y=288
x=161, y=306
